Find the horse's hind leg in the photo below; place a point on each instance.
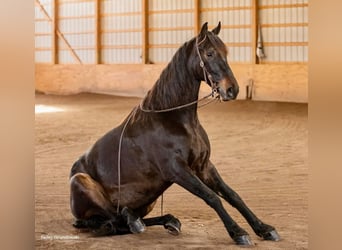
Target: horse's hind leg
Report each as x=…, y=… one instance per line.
x=213, y=180
x=137, y=225
x=91, y=207
x=171, y=223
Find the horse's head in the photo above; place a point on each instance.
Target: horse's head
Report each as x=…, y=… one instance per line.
x=212, y=64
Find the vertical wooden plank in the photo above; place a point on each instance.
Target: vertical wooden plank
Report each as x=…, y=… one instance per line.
x=54, y=32
x=98, y=59
x=197, y=14
x=254, y=29
x=145, y=42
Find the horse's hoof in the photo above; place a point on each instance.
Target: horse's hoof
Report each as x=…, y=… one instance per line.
x=272, y=235
x=135, y=223
x=137, y=226
x=244, y=240
x=173, y=228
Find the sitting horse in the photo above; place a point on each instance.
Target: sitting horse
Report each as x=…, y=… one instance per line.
x=116, y=183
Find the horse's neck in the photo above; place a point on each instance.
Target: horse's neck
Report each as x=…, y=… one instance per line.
x=176, y=86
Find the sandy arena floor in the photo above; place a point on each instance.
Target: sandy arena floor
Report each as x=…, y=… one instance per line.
x=260, y=149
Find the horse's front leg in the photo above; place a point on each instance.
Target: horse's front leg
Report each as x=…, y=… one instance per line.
x=182, y=175
x=213, y=180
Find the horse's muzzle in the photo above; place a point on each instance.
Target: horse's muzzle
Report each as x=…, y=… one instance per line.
x=229, y=93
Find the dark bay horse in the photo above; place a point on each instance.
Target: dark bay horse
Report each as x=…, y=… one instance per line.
x=116, y=183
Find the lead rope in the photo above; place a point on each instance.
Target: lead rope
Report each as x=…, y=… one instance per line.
x=119, y=157
x=207, y=76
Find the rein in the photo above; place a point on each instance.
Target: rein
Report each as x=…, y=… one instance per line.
x=213, y=94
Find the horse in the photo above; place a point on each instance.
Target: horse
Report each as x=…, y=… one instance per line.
x=117, y=182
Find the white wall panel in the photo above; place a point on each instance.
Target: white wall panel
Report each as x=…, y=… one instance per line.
x=42, y=27
x=166, y=20
x=174, y=4
x=77, y=9
x=225, y=3
x=78, y=40
x=121, y=6
x=77, y=25
x=158, y=55
x=86, y=56
x=121, y=22
x=121, y=55
x=43, y=41
x=122, y=38
x=64, y=56
x=239, y=54
x=43, y=56
x=171, y=36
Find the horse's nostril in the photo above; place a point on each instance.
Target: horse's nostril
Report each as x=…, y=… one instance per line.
x=230, y=92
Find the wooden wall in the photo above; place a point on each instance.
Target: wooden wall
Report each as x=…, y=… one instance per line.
x=274, y=82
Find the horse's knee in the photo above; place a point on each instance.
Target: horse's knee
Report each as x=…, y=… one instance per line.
x=213, y=201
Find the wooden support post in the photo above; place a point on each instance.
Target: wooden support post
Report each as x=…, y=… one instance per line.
x=197, y=13
x=54, y=33
x=145, y=42
x=254, y=29
x=98, y=59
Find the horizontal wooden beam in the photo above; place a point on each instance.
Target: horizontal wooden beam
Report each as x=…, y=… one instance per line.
x=75, y=1
x=43, y=34
x=121, y=14
x=123, y=46
x=164, y=46
x=41, y=20
x=151, y=12
x=119, y=46
x=153, y=29
x=161, y=46
x=232, y=26
x=238, y=44
x=77, y=48
x=78, y=32
x=279, y=44
x=120, y=30
x=220, y=9
x=42, y=48
x=283, y=6
x=76, y=17
x=278, y=25
x=285, y=63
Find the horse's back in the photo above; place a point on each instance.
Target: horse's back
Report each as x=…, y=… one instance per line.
x=101, y=154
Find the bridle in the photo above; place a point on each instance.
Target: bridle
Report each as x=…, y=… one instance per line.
x=207, y=75
x=214, y=94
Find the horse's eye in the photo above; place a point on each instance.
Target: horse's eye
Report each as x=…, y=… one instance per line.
x=210, y=54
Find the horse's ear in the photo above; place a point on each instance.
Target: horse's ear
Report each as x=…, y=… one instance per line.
x=216, y=30
x=204, y=30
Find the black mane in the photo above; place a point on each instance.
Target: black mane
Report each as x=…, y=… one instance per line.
x=173, y=80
